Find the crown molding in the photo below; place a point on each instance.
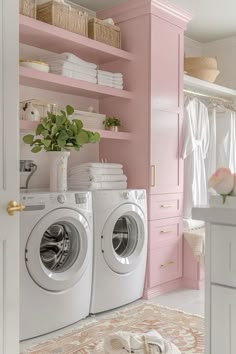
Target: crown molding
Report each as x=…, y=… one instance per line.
x=136, y=8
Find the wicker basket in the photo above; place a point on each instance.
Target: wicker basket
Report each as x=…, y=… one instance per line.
x=192, y=63
x=78, y=22
x=104, y=32
x=64, y=16
x=209, y=75
x=28, y=8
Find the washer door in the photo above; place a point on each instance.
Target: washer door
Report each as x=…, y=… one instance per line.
x=57, y=249
x=123, y=238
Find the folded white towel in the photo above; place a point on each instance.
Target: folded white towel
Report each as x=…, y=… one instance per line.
x=110, y=85
x=96, y=171
x=114, y=82
x=125, y=342
x=99, y=165
x=70, y=58
x=87, y=177
x=107, y=73
x=84, y=71
x=97, y=185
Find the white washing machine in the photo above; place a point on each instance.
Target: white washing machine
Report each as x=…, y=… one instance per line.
x=55, y=261
x=120, y=248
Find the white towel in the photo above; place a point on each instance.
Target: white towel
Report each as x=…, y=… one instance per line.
x=125, y=342
x=70, y=58
x=93, y=171
x=60, y=66
x=196, y=240
x=97, y=185
x=107, y=78
x=87, y=177
x=99, y=165
x=107, y=73
x=110, y=85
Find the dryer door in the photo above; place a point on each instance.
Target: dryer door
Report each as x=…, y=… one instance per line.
x=124, y=238
x=59, y=249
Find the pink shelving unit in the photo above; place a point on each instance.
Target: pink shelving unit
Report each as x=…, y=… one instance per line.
x=42, y=35
x=26, y=126
x=63, y=84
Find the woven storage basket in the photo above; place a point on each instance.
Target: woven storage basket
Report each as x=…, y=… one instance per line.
x=209, y=75
x=78, y=22
x=64, y=16
x=54, y=13
x=104, y=32
x=200, y=63
x=28, y=8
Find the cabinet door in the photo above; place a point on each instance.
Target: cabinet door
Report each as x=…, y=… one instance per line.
x=166, y=107
x=223, y=320
x=223, y=251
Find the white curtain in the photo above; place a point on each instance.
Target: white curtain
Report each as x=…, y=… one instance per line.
x=196, y=139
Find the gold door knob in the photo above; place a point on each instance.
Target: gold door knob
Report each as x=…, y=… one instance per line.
x=13, y=206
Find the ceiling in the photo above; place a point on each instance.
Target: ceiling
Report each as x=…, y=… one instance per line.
x=211, y=19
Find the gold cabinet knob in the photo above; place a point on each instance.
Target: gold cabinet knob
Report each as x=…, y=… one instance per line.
x=13, y=206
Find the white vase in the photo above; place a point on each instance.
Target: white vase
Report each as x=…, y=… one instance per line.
x=58, y=170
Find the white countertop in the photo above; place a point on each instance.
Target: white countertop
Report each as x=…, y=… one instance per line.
x=217, y=212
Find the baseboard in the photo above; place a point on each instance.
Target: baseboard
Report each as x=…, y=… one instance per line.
x=163, y=288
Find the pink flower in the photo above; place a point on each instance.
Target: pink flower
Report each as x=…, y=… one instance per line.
x=222, y=181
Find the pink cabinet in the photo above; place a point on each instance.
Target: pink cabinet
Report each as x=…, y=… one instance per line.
x=165, y=251
x=153, y=30
x=166, y=165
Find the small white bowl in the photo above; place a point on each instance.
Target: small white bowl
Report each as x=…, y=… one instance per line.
x=36, y=65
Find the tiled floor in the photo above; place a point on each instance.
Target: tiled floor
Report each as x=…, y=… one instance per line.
x=191, y=301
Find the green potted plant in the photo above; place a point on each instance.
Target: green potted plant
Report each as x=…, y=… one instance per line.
x=112, y=123
x=57, y=134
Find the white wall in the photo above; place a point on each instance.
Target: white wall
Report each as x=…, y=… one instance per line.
x=86, y=154
x=192, y=48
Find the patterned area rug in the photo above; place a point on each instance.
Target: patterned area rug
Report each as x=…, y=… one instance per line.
x=184, y=330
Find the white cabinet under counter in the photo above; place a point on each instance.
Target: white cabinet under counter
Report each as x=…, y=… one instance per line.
x=220, y=274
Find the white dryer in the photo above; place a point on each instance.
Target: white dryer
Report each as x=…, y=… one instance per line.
x=55, y=261
x=120, y=248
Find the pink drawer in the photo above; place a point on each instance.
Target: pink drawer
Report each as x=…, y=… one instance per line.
x=164, y=231
x=165, y=264
x=165, y=206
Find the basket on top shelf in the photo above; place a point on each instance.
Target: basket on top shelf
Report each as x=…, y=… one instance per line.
x=104, y=32
x=28, y=8
x=63, y=15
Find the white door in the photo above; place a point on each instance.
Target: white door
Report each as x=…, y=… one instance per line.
x=9, y=225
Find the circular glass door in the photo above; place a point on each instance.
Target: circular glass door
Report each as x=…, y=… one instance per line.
x=58, y=249
x=124, y=238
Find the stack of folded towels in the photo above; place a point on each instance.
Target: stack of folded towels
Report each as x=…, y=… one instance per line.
x=68, y=64
x=107, y=78
x=94, y=176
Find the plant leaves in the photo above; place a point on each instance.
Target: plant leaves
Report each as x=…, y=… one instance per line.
x=39, y=129
x=60, y=120
x=36, y=149
x=82, y=138
x=61, y=143
x=46, y=142
x=69, y=110
x=28, y=139
x=95, y=138
x=44, y=133
x=79, y=124
x=63, y=135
